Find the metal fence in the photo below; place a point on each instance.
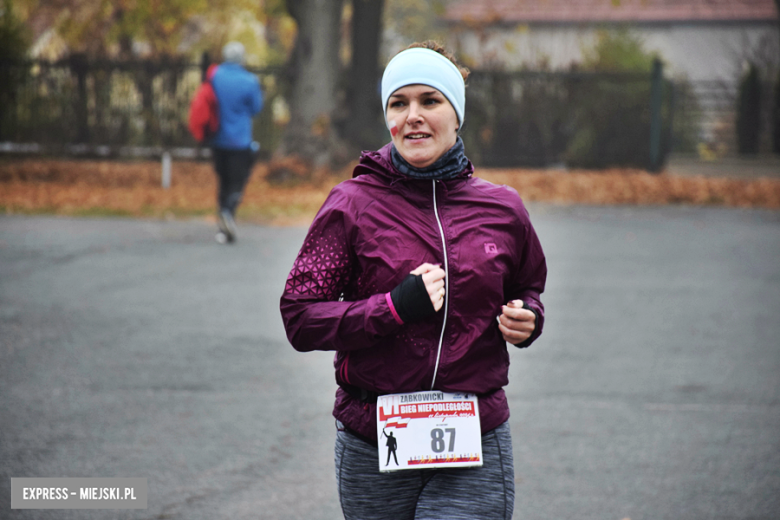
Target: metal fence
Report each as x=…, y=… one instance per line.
x=512, y=119
x=580, y=119
x=105, y=106
x=705, y=118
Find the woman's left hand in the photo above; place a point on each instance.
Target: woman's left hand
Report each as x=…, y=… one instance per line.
x=515, y=323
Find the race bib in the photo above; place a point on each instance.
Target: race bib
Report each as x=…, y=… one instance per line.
x=428, y=430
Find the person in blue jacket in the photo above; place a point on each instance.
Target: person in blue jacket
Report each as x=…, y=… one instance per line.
x=239, y=98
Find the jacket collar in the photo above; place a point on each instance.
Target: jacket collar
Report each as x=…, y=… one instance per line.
x=380, y=163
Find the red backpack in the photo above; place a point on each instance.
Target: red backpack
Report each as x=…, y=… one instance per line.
x=204, y=110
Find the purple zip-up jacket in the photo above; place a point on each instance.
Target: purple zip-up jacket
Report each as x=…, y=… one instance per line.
x=369, y=234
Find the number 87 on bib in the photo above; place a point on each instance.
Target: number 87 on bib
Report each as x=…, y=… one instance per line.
x=428, y=430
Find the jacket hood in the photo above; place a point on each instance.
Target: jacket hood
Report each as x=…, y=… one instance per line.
x=380, y=163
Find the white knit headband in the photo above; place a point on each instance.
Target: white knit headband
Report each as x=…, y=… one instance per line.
x=419, y=66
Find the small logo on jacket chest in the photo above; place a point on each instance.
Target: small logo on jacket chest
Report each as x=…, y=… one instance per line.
x=490, y=248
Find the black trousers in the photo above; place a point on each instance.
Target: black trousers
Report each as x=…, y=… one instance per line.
x=233, y=169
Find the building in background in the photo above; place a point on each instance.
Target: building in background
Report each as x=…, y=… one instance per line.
x=706, y=43
x=697, y=39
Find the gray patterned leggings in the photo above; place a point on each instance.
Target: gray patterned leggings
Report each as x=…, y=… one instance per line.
x=482, y=493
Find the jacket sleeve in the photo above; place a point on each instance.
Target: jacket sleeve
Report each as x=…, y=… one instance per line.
x=200, y=112
x=257, y=98
x=313, y=316
x=530, y=277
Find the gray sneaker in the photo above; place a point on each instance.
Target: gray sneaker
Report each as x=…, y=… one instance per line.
x=227, y=225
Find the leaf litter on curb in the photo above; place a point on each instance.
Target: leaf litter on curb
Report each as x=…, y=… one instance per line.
x=84, y=187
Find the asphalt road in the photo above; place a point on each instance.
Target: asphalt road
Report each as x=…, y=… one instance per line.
x=144, y=349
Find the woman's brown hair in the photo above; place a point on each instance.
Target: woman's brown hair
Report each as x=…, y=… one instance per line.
x=436, y=46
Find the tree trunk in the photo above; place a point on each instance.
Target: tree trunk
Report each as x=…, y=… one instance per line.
x=365, y=128
x=310, y=134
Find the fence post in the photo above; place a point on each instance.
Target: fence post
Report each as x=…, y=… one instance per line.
x=166, y=170
x=205, y=61
x=672, y=113
x=656, y=101
x=79, y=65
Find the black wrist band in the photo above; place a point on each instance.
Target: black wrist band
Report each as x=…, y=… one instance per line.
x=524, y=344
x=411, y=299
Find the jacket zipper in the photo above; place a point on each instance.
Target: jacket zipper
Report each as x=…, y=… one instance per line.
x=446, y=285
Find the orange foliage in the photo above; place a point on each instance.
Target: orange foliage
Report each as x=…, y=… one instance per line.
x=73, y=187
x=636, y=187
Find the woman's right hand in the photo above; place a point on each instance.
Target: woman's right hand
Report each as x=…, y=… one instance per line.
x=433, y=277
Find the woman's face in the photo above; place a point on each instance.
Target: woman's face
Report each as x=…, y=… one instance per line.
x=425, y=121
